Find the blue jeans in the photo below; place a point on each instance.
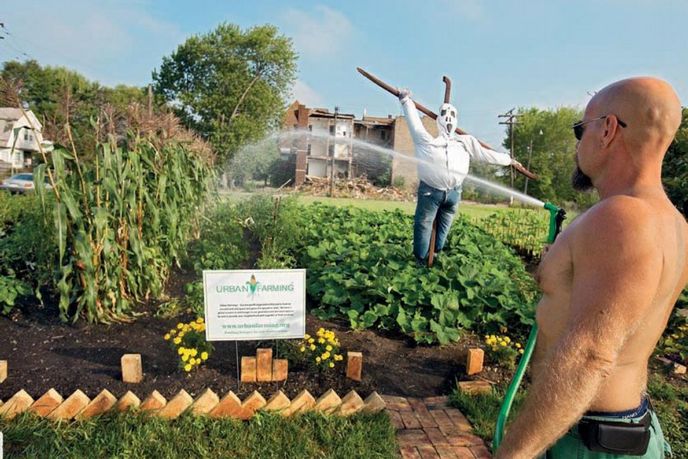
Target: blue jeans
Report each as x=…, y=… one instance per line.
x=433, y=203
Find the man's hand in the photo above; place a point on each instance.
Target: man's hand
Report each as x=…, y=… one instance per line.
x=404, y=93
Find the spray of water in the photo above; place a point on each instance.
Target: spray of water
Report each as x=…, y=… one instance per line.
x=361, y=145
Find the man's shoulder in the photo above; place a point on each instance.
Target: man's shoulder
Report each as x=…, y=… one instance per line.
x=617, y=220
x=620, y=209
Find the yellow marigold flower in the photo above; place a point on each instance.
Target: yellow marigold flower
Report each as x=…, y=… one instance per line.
x=520, y=351
x=507, y=339
x=317, y=359
x=321, y=340
x=331, y=364
x=321, y=330
x=187, y=367
x=518, y=345
x=303, y=349
x=177, y=340
x=204, y=356
x=312, y=348
x=173, y=331
x=503, y=343
x=194, y=352
x=326, y=356
x=494, y=348
x=199, y=320
x=185, y=357
x=180, y=351
x=180, y=325
x=311, y=341
x=338, y=357
x=306, y=336
x=328, y=347
x=167, y=337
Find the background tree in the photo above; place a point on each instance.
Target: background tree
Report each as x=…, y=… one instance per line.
x=58, y=96
x=544, y=142
x=675, y=167
x=229, y=85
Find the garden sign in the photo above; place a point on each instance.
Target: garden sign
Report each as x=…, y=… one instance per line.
x=242, y=305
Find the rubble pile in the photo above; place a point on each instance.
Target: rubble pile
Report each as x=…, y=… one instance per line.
x=357, y=188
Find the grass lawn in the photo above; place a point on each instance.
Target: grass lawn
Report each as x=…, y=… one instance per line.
x=670, y=400
x=266, y=436
x=470, y=209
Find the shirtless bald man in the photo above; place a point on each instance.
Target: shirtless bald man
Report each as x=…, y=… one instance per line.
x=609, y=284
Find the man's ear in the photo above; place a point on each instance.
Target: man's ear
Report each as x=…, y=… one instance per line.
x=610, y=128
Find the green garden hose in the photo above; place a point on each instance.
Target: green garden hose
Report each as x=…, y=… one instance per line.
x=556, y=218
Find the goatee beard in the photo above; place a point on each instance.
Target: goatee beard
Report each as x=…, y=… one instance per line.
x=580, y=181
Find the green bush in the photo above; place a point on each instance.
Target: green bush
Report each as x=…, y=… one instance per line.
x=361, y=267
x=220, y=245
x=524, y=229
x=276, y=225
x=28, y=255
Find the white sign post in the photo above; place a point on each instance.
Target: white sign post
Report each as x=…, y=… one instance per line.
x=242, y=305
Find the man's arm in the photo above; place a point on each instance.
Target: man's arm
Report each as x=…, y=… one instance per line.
x=616, y=273
x=415, y=125
x=485, y=155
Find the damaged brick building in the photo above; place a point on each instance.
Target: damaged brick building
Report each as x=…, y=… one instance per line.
x=315, y=152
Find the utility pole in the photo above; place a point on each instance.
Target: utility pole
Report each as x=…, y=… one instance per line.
x=150, y=101
x=530, y=155
x=334, y=150
x=511, y=120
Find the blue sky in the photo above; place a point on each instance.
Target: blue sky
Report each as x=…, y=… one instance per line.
x=500, y=54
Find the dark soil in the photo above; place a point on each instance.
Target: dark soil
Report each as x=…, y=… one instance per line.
x=43, y=353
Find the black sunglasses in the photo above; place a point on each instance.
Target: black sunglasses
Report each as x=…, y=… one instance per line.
x=579, y=127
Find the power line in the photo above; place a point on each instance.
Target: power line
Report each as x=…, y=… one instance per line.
x=24, y=40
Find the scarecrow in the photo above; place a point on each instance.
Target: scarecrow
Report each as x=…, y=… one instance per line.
x=443, y=163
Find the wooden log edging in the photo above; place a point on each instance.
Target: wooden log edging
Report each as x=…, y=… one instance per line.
x=78, y=406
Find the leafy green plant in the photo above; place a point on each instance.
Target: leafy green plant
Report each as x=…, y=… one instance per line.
x=524, y=229
x=275, y=222
x=361, y=268
x=674, y=342
x=10, y=289
x=28, y=255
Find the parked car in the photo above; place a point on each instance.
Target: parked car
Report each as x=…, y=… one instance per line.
x=21, y=183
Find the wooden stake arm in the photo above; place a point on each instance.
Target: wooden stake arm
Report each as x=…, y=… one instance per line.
x=433, y=115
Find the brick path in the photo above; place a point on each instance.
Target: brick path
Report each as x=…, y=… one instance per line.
x=429, y=428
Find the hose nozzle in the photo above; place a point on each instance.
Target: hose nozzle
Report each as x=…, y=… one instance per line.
x=557, y=215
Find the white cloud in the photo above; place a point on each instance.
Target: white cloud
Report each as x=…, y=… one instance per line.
x=307, y=95
x=321, y=33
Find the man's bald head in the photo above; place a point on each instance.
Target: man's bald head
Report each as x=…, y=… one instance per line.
x=649, y=107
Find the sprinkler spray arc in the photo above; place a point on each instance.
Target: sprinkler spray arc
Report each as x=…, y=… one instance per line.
x=557, y=216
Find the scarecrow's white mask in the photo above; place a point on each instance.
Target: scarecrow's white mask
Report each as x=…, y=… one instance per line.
x=446, y=120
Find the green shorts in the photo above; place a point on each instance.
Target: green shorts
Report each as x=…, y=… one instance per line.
x=570, y=446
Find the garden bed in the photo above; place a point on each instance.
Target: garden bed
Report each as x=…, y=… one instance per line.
x=44, y=353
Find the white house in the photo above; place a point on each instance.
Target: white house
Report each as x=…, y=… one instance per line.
x=18, y=141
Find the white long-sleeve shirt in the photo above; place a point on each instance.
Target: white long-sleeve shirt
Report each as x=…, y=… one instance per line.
x=444, y=160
